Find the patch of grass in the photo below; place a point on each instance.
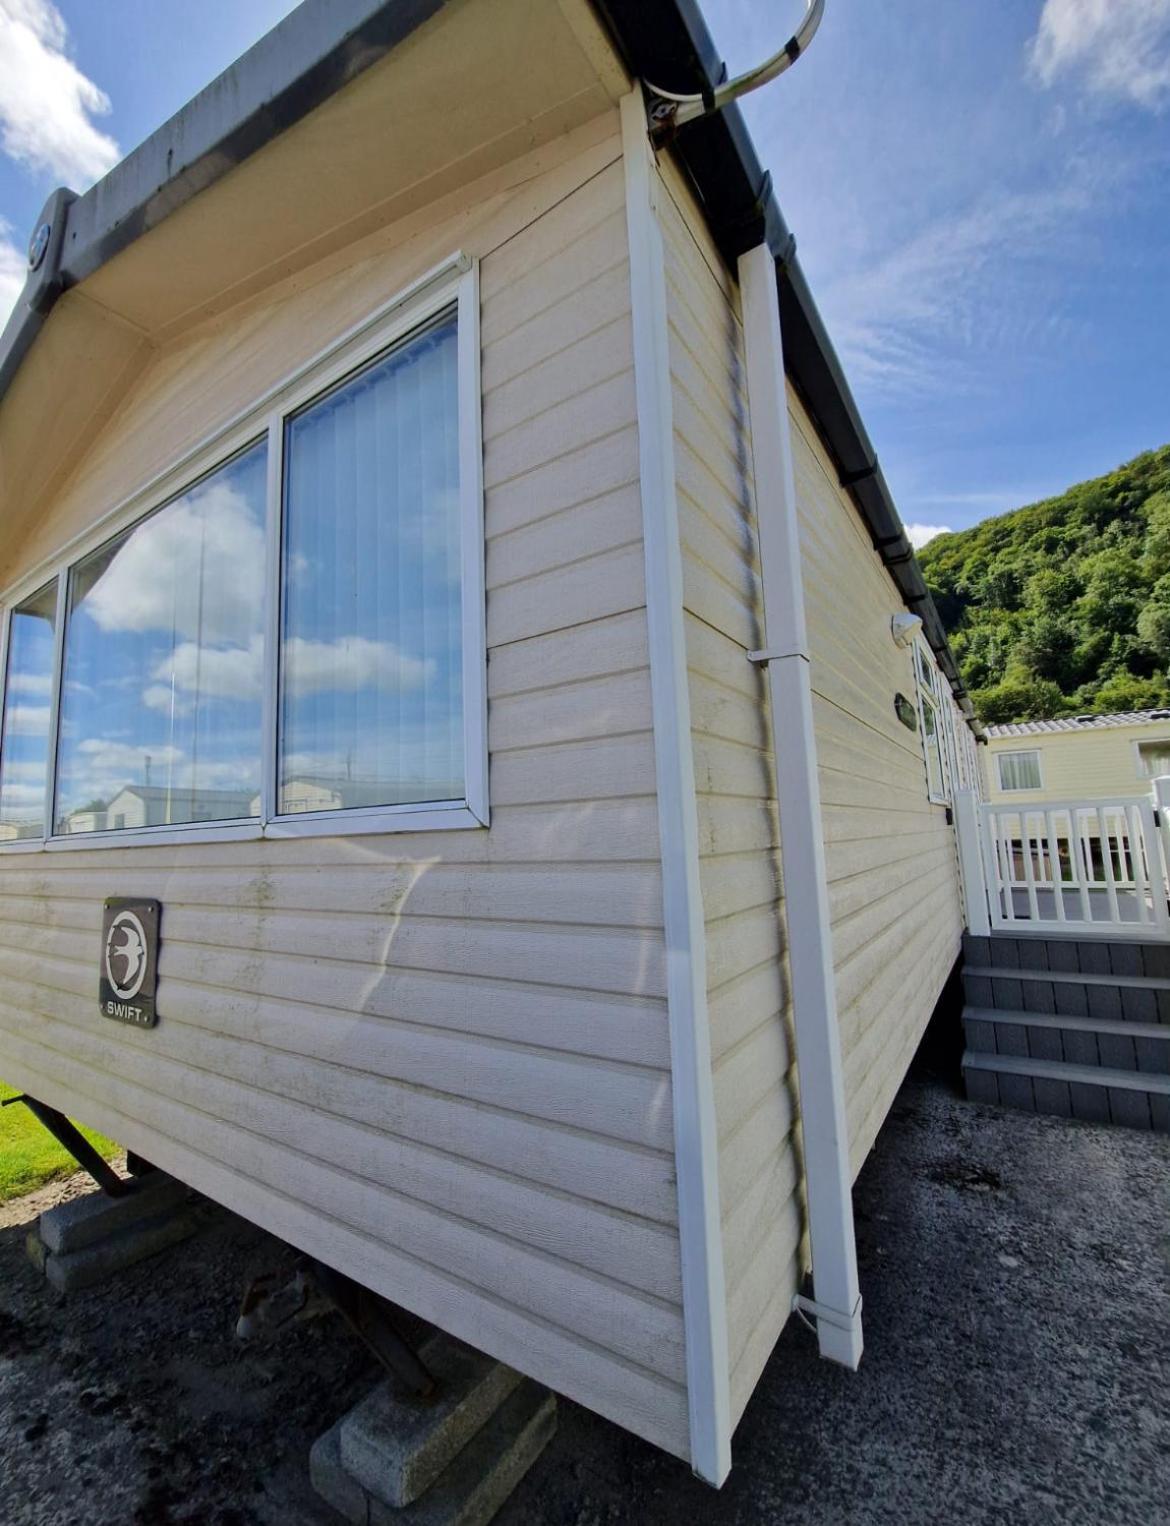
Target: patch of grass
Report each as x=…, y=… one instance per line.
x=29, y=1155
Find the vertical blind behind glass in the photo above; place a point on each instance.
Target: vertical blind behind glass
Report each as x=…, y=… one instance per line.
x=1019, y=770
x=371, y=699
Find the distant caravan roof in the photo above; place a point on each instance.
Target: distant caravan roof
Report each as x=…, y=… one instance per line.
x=1079, y=723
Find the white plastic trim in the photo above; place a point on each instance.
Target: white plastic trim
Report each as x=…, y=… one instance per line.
x=810, y=955
x=692, y=1084
x=973, y=875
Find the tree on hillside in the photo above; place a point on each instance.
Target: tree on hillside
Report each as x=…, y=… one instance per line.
x=1064, y=607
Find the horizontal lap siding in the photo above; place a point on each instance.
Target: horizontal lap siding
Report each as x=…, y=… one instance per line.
x=440, y=1061
x=739, y=838
x=893, y=874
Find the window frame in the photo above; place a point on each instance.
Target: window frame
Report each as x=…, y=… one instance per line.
x=1018, y=752
x=927, y=692
x=1139, y=761
x=451, y=286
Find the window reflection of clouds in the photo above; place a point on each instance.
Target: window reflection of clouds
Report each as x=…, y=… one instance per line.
x=24, y=737
x=161, y=629
x=371, y=703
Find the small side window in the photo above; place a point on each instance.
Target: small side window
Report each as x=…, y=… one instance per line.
x=1018, y=770
x=932, y=721
x=1153, y=759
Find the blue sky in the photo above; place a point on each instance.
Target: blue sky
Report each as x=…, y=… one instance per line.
x=978, y=191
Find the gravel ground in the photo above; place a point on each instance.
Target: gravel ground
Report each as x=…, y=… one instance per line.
x=1015, y=1270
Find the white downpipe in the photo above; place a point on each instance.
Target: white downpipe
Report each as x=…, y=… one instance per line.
x=696, y=1151
x=837, y=1301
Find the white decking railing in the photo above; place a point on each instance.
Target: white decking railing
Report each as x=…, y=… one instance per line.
x=1083, y=868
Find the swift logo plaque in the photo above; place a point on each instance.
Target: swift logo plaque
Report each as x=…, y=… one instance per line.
x=129, y=962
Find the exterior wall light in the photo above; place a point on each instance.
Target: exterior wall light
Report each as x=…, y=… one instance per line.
x=904, y=627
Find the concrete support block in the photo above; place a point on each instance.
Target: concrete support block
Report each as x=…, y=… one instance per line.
x=472, y=1487
x=86, y=1220
x=396, y=1447
x=83, y=1242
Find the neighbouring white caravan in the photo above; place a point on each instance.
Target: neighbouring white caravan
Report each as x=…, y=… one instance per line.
x=441, y=560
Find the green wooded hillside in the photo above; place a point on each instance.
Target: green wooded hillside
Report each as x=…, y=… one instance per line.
x=1064, y=607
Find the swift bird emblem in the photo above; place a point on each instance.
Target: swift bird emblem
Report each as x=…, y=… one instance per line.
x=133, y=951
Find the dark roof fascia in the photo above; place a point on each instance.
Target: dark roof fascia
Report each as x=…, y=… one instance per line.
x=309, y=56
x=667, y=42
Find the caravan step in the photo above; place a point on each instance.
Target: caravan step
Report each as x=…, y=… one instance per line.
x=1097, y=1042
x=1120, y=998
x=1068, y=955
x=1130, y=1098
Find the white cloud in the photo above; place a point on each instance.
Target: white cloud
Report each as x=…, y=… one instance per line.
x=212, y=528
x=893, y=318
x=919, y=534
x=346, y=665
x=27, y=720
x=351, y=663
x=13, y=267
x=46, y=103
x=1117, y=48
x=40, y=684
x=104, y=756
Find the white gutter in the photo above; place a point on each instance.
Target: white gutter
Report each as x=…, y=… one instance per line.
x=696, y=1150
x=836, y=1305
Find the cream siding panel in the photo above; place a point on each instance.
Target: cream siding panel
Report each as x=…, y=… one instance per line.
x=739, y=839
x=891, y=861
x=893, y=873
x=1094, y=764
x=439, y=1060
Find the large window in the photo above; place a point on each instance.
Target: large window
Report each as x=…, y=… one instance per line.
x=291, y=637
x=1018, y=770
x=28, y=692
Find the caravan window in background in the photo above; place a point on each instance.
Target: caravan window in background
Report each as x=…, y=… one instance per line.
x=371, y=650
x=164, y=663
x=28, y=695
x=1153, y=759
x=1018, y=770
x=932, y=718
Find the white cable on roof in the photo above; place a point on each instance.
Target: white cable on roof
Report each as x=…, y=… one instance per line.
x=671, y=108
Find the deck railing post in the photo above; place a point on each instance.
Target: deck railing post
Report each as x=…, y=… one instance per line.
x=1161, y=792
x=971, y=869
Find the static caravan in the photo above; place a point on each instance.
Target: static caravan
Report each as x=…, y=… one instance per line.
x=1086, y=758
x=446, y=575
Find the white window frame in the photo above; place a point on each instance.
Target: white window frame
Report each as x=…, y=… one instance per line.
x=926, y=689
x=1138, y=762
x=454, y=284
x=1019, y=752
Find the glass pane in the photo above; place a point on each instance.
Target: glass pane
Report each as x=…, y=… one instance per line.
x=371, y=650
x=1155, y=757
x=24, y=740
x=164, y=664
x=1019, y=770
x=932, y=742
